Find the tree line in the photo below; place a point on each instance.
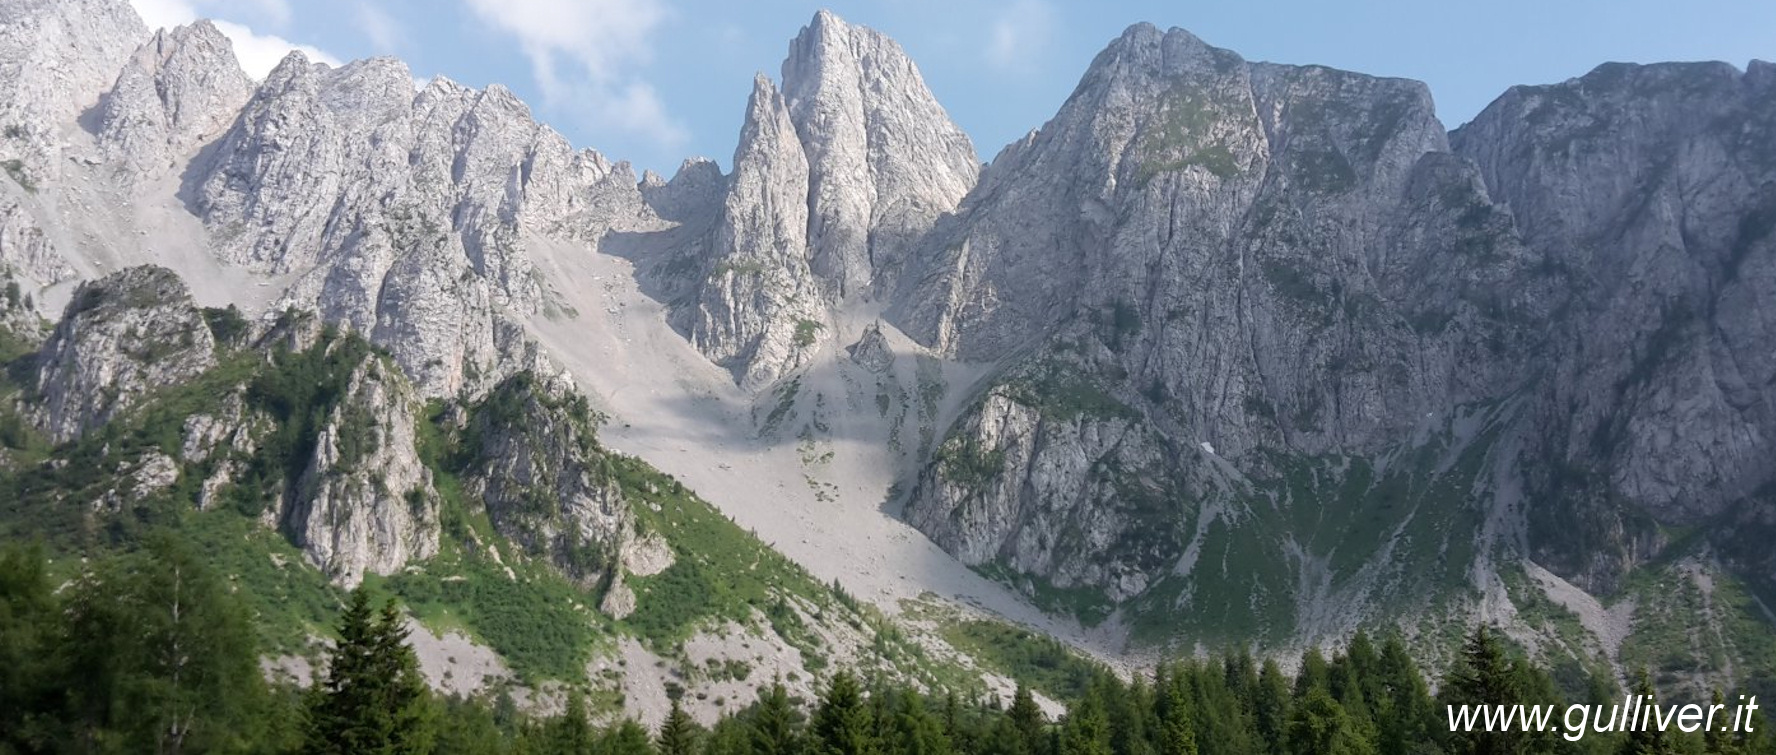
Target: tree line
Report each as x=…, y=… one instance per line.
x=151, y=652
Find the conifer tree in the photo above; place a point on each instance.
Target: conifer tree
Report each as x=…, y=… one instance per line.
x=915, y=731
x=1177, y=726
x=1315, y=672
x=1718, y=740
x=844, y=725
x=625, y=738
x=571, y=731
x=775, y=729
x=1086, y=730
x=1027, y=719
x=372, y=699
x=1320, y=726
x=731, y=735
x=30, y=690
x=1646, y=740
x=678, y=733
x=1270, y=707
x=1404, y=710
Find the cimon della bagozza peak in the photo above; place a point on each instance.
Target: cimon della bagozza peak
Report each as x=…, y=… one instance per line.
x=1225, y=356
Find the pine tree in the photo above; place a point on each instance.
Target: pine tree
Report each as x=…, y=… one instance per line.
x=1646, y=740
x=571, y=731
x=1086, y=730
x=776, y=729
x=678, y=733
x=915, y=731
x=1003, y=738
x=1320, y=726
x=731, y=735
x=1483, y=676
x=467, y=726
x=1177, y=726
x=625, y=738
x=1027, y=719
x=1717, y=739
x=1315, y=672
x=373, y=699
x=1403, y=708
x=844, y=725
x=1270, y=707
x=1757, y=739
x=1128, y=708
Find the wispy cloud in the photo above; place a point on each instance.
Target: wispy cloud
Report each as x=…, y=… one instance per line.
x=258, y=53
x=583, y=54
x=385, y=33
x=1019, y=34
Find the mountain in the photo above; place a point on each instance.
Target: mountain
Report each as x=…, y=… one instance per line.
x=1225, y=354
x=1302, y=362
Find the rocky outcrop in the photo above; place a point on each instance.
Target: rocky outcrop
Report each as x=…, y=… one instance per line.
x=835, y=177
x=543, y=479
x=1243, y=257
x=222, y=442
x=760, y=292
x=1027, y=488
x=365, y=504
x=872, y=350
x=409, y=216
x=24, y=248
x=121, y=338
x=1652, y=191
x=180, y=88
x=56, y=58
x=884, y=159
x=1226, y=290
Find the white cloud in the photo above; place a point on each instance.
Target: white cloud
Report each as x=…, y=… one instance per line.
x=1019, y=34
x=385, y=33
x=164, y=14
x=258, y=53
x=581, y=53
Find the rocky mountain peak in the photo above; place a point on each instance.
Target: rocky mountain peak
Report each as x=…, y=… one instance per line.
x=837, y=176
x=56, y=58
x=884, y=157
x=122, y=337
x=180, y=88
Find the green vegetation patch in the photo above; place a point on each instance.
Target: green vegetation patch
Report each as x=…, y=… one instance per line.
x=532, y=616
x=805, y=332
x=1062, y=392
x=1030, y=657
x=720, y=571
x=965, y=463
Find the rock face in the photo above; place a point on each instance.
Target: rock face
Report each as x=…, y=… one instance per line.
x=884, y=160
x=761, y=290
x=25, y=249
x=1239, y=300
x=542, y=477
x=835, y=177
x=1653, y=190
x=1205, y=254
x=406, y=215
x=56, y=57
x=122, y=337
x=366, y=505
x=181, y=88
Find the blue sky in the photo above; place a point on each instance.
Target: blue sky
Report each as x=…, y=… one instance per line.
x=654, y=81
